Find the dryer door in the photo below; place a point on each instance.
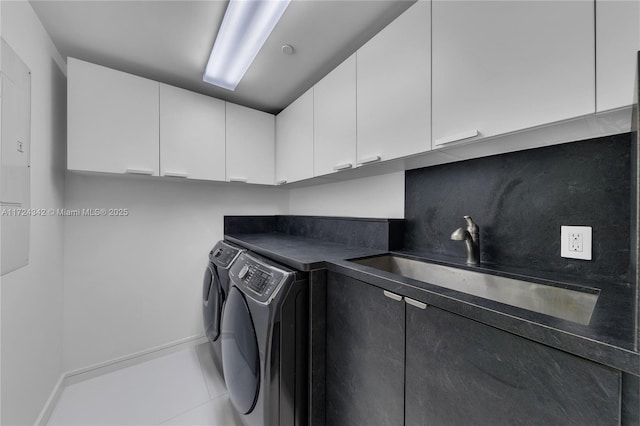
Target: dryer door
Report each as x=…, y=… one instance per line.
x=212, y=298
x=240, y=356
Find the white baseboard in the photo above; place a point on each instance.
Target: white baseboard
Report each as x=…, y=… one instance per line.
x=99, y=369
x=47, y=410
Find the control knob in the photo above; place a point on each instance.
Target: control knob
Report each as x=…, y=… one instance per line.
x=243, y=272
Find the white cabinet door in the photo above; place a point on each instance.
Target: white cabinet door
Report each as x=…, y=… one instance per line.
x=617, y=45
x=502, y=66
x=250, y=145
x=192, y=135
x=294, y=140
x=334, y=117
x=393, y=78
x=112, y=120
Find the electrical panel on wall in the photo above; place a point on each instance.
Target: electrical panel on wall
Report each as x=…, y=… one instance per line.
x=15, y=130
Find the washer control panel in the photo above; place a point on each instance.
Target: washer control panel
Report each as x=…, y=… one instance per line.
x=222, y=254
x=257, y=278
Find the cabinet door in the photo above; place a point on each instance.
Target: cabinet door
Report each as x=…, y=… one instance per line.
x=458, y=369
x=294, y=140
x=394, y=80
x=250, y=145
x=365, y=354
x=113, y=120
x=502, y=66
x=617, y=45
x=192, y=135
x=334, y=115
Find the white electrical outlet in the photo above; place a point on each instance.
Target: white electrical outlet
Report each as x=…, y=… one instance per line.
x=575, y=242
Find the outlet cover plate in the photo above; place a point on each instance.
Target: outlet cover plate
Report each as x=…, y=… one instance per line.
x=580, y=234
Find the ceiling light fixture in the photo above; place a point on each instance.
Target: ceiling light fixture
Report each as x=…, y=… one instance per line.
x=245, y=27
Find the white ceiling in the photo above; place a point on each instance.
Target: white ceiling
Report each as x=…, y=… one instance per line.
x=170, y=41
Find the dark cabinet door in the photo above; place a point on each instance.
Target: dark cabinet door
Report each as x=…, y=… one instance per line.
x=365, y=355
x=461, y=372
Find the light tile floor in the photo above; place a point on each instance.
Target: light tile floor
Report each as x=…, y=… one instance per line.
x=182, y=388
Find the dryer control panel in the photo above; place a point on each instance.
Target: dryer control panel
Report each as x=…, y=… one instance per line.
x=257, y=278
x=222, y=254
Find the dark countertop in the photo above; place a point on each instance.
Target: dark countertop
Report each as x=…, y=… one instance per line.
x=608, y=339
x=301, y=253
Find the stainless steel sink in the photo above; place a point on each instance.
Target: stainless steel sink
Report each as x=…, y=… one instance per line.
x=568, y=304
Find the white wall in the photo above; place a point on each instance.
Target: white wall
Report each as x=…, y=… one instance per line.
x=378, y=196
x=135, y=283
x=31, y=297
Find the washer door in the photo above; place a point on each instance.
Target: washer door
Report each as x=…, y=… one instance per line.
x=240, y=355
x=212, y=298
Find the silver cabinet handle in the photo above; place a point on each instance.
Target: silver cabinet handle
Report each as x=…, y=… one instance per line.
x=238, y=179
x=139, y=172
x=369, y=160
x=393, y=296
x=176, y=174
x=281, y=182
x=342, y=166
x=457, y=137
x=415, y=303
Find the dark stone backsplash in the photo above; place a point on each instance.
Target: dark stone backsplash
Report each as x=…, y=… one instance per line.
x=382, y=234
x=520, y=200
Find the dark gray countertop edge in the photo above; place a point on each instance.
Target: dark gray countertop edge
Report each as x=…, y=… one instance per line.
x=600, y=352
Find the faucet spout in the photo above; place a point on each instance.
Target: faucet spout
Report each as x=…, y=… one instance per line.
x=473, y=229
x=471, y=237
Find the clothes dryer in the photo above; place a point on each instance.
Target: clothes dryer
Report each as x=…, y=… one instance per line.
x=215, y=287
x=265, y=342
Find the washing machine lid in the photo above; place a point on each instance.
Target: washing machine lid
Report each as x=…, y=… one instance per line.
x=240, y=353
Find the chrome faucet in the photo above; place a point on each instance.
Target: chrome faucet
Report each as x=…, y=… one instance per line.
x=471, y=236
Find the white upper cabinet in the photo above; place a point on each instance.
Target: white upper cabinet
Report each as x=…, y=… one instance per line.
x=294, y=140
x=334, y=99
x=502, y=66
x=113, y=120
x=393, y=96
x=250, y=145
x=617, y=45
x=192, y=135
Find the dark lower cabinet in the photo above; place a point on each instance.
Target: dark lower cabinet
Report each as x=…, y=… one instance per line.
x=389, y=362
x=461, y=372
x=365, y=355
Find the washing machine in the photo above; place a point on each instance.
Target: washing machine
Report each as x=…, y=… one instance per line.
x=265, y=342
x=215, y=287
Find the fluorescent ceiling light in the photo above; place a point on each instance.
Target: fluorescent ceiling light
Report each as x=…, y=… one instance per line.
x=245, y=27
